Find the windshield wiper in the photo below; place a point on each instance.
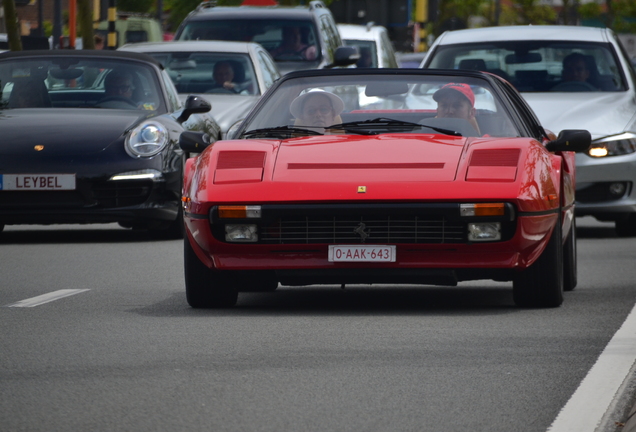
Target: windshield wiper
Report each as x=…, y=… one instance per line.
x=381, y=125
x=280, y=132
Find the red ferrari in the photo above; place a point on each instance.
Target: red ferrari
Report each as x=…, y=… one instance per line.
x=377, y=176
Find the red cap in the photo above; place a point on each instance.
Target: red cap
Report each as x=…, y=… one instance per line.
x=459, y=87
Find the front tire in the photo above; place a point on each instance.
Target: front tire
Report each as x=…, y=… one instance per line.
x=541, y=284
x=570, y=278
x=205, y=287
x=627, y=226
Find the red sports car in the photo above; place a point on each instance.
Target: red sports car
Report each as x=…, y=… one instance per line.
x=376, y=176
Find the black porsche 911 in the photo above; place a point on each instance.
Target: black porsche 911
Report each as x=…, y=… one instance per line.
x=92, y=137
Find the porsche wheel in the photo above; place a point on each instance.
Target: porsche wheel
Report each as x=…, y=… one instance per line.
x=626, y=227
x=570, y=260
x=541, y=284
x=205, y=288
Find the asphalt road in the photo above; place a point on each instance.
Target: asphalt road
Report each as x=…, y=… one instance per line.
x=126, y=353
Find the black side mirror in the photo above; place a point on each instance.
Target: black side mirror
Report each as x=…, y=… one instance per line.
x=575, y=140
x=345, y=56
x=194, y=142
x=194, y=105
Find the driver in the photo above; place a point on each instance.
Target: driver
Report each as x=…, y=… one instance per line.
x=292, y=44
x=118, y=90
x=456, y=100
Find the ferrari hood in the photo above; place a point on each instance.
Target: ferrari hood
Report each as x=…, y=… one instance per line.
x=381, y=158
x=600, y=113
x=65, y=131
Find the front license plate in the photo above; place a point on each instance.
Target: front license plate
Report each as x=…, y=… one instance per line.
x=366, y=253
x=37, y=182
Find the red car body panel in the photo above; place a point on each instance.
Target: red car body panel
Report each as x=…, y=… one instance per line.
x=533, y=186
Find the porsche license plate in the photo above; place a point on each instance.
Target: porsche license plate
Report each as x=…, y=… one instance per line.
x=359, y=253
x=37, y=182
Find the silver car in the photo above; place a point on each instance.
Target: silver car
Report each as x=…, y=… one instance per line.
x=573, y=77
x=191, y=65
x=373, y=43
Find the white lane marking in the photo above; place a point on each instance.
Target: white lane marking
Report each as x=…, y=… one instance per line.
x=45, y=298
x=596, y=393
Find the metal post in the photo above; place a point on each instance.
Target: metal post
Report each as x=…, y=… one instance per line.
x=57, y=23
x=112, y=17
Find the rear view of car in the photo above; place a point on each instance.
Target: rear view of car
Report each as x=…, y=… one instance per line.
x=373, y=43
x=573, y=77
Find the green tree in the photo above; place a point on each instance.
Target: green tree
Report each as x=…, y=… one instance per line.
x=13, y=33
x=140, y=6
x=523, y=12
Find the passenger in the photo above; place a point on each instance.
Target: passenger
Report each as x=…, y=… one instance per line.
x=292, y=44
x=223, y=77
x=317, y=109
x=456, y=100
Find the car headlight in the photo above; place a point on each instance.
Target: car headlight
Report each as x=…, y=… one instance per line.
x=147, y=139
x=614, y=145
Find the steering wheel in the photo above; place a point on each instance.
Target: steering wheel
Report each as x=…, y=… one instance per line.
x=573, y=86
x=117, y=102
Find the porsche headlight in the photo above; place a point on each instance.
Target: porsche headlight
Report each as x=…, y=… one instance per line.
x=147, y=139
x=614, y=145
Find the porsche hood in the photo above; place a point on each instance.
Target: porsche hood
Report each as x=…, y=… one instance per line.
x=382, y=158
x=67, y=132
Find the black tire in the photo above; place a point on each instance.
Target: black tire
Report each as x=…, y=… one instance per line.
x=627, y=226
x=570, y=278
x=541, y=284
x=205, y=288
x=1, y=227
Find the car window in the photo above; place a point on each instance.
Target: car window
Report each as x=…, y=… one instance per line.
x=403, y=98
x=539, y=66
x=269, y=70
x=270, y=33
x=368, y=52
x=79, y=82
x=387, y=51
x=193, y=72
x=171, y=91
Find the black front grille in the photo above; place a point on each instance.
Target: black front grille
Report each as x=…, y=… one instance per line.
x=121, y=193
x=372, y=230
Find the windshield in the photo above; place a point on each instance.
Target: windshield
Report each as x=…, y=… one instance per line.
x=207, y=72
x=539, y=66
x=374, y=104
x=286, y=40
x=79, y=82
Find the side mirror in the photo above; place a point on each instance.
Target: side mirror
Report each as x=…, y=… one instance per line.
x=194, y=105
x=575, y=140
x=345, y=56
x=194, y=142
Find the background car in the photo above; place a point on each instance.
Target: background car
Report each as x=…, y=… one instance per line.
x=376, y=49
x=191, y=66
x=91, y=137
x=410, y=60
x=382, y=189
x=318, y=37
x=532, y=58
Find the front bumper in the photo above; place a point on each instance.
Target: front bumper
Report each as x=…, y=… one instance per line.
x=605, y=187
